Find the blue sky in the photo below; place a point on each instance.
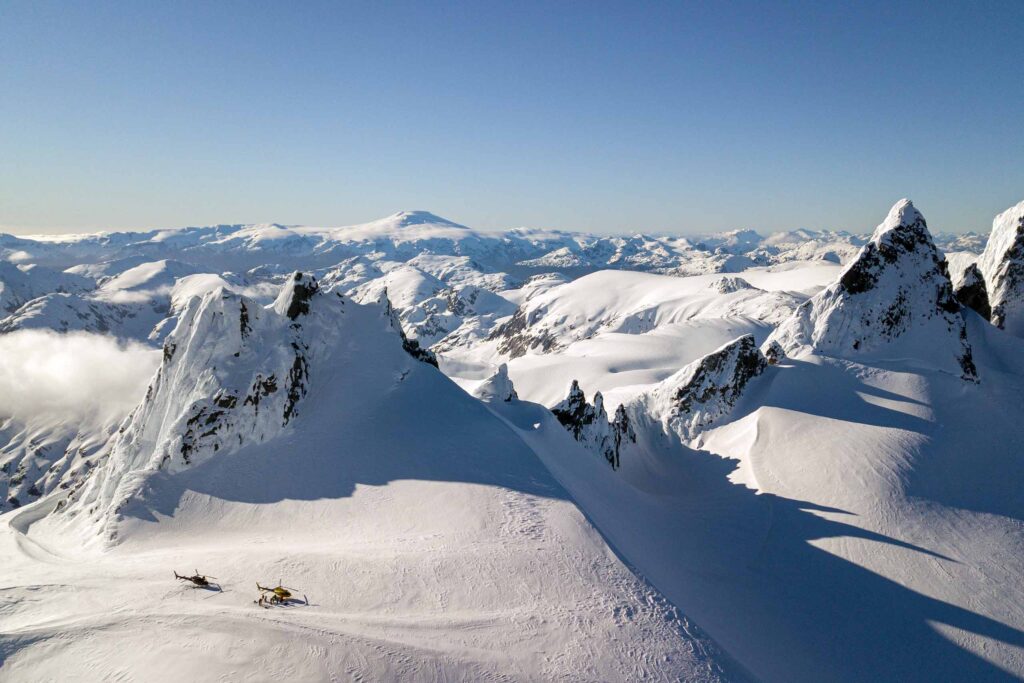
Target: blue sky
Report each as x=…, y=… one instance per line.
x=662, y=117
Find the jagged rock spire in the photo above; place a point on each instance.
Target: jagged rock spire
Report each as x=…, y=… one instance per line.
x=589, y=424
x=894, y=300
x=296, y=295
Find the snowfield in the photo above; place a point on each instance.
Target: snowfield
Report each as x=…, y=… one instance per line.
x=529, y=455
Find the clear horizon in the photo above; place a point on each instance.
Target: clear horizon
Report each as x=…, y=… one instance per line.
x=605, y=118
x=498, y=230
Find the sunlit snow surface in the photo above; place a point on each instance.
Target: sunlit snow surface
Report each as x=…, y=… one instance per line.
x=852, y=517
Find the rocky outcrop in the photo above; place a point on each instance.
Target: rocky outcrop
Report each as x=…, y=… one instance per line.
x=588, y=424
x=692, y=400
x=971, y=291
x=411, y=346
x=233, y=373
x=730, y=284
x=701, y=394
x=773, y=352
x=497, y=387
x=895, y=300
x=515, y=336
x=1002, y=265
x=293, y=300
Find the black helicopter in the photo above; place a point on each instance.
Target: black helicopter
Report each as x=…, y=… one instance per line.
x=198, y=580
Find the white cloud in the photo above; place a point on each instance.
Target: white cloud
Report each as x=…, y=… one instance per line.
x=76, y=377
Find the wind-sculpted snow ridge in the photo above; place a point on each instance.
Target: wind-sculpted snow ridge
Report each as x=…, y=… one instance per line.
x=233, y=373
x=497, y=387
x=1002, y=264
x=894, y=301
x=411, y=346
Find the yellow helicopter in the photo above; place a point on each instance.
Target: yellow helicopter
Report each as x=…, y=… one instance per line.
x=278, y=595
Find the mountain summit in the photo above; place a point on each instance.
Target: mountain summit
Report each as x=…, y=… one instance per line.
x=895, y=300
x=403, y=219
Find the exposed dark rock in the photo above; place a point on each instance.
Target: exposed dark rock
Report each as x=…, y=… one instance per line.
x=260, y=387
x=773, y=352
x=243, y=319
x=304, y=287
x=514, y=338
x=411, y=346
x=897, y=288
x=973, y=293
x=622, y=432
x=225, y=399
x=574, y=412
x=589, y=424
x=721, y=376
x=1002, y=265
x=298, y=375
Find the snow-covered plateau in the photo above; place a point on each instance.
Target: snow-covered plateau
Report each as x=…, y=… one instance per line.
x=517, y=456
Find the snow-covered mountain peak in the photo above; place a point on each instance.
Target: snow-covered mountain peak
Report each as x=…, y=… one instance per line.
x=1002, y=264
x=404, y=219
x=894, y=300
x=732, y=241
x=233, y=373
x=695, y=398
x=902, y=222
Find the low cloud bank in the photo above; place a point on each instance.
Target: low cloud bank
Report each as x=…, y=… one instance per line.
x=74, y=377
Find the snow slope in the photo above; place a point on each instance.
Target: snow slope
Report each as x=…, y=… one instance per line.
x=816, y=463
x=837, y=516
x=844, y=522
x=430, y=540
